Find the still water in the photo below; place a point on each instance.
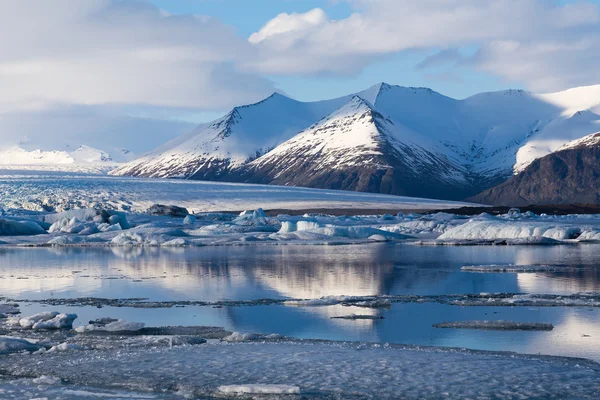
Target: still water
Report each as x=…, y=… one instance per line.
x=305, y=272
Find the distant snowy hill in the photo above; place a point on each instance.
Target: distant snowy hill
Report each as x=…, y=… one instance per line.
x=389, y=139
x=83, y=154
x=79, y=138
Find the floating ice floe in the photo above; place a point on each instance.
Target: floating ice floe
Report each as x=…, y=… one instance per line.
x=358, y=317
x=259, y=389
x=357, y=301
x=112, y=326
x=497, y=325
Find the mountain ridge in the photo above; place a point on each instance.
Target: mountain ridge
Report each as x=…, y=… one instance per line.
x=473, y=143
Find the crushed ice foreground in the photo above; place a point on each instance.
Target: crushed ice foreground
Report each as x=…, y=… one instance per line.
x=105, y=227
x=317, y=369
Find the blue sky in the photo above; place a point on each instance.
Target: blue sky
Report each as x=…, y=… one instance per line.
x=248, y=16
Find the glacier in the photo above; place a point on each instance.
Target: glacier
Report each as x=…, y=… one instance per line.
x=83, y=210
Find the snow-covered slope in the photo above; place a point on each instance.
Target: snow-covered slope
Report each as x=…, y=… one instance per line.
x=404, y=134
x=245, y=133
x=357, y=148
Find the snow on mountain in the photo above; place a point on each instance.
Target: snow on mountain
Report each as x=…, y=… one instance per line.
x=408, y=134
x=357, y=148
x=87, y=154
x=17, y=156
x=246, y=132
x=61, y=136
x=586, y=141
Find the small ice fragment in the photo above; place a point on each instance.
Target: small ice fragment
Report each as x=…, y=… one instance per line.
x=189, y=219
x=65, y=347
x=358, y=316
x=241, y=337
x=46, y=380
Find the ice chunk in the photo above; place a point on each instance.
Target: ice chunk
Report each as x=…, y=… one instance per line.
x=10, y=227
x=28, y=322
x=494, y=230
x=171, y=211
x=242, y=337
x=60, y=321
x=259, y=389
x=189, y=219
x=69, y=240
x=47, y=380
x=114, y=326
x=65, y=347
x=252, y=217
x=15, y=345
x=514, y=212
x=177, y=242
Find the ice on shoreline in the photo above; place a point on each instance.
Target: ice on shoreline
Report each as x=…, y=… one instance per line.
x=104, y=227
x=309, y=369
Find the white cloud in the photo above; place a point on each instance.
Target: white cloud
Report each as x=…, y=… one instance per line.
x=517, y=39
x=289, y=26
x=112, y=52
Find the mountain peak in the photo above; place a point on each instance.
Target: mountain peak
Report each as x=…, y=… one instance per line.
x=356, y=105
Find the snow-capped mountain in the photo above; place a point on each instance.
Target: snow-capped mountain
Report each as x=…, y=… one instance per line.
x=213, y=150
x=391, y=139
x=80, y=137
x=357, y=148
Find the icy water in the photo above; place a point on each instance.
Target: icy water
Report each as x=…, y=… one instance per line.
x=306, y=272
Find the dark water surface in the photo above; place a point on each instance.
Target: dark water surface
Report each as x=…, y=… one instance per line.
x=305, y=272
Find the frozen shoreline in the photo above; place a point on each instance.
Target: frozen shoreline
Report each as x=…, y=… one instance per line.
x=370, y=370
x=41, y=209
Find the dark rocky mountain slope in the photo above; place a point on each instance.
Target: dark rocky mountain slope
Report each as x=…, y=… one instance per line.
x=568, y=176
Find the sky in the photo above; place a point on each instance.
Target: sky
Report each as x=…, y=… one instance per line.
x=192, y=60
